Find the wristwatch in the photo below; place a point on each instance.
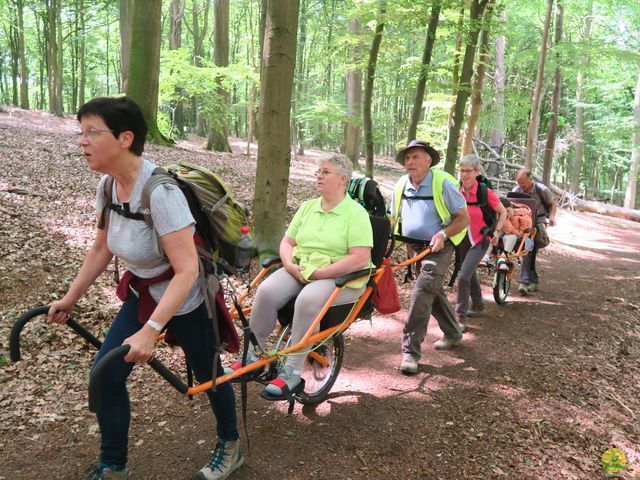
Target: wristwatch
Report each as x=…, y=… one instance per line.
x=443, y=234
x=155, y=325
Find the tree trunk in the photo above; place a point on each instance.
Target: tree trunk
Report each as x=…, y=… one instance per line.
x=476, y=96
x=455, y=72
x=579, y=149
x=555, y=100
x=464, y=86
x=368, y=91
x=82, y=64
x=54, y=57
x=630, y=194
x=144, y=64
x=496, y=137
x=300, y=83
x=24, y=76
x=199, y=35
x=534, y=117
x=13, y=46
x=424, y=70
x=217, y=137
x=126, y=7
x=274, y=149
x=353, y=94
x=175, y=41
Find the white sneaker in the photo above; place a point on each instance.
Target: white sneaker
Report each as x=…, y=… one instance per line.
x=446, y=343
x=226, y=458
x=409, y=364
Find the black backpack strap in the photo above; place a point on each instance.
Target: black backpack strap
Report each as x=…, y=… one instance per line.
x=107, y=190
x=417, y=197
x=457, y=265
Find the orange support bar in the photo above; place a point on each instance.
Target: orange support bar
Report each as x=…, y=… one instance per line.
x=308, y=339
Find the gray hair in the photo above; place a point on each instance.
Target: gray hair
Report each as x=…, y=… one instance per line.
x=342, y=162
x=472, y=160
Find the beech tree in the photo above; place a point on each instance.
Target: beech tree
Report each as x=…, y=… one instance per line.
x=274, y=147
x=217, y=135
x=464, y=86
x=630, y=194
x=368, y=90
x=478, y=82
x=555, y=100
x=144, y=66
x=126, y=8
x=353, y=94
x=416, y=111
x=579, y=128
x=534, y=118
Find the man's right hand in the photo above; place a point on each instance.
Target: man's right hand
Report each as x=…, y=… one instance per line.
x=437, y=243
x=59, y=311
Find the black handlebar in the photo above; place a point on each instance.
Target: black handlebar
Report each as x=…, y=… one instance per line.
x=95, y=379
x=97, y=371
x=16, y=330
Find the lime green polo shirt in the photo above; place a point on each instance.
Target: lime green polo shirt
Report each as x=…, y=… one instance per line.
x=326, y=237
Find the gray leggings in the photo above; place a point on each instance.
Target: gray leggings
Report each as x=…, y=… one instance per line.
x=277, y=290
x=468, y=283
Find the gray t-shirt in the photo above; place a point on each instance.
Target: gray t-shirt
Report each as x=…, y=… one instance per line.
x=137, y=244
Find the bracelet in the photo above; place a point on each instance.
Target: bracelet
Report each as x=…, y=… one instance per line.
x=155, y=325
x=443, y=234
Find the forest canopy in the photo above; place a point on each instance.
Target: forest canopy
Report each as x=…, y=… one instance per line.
x=487, y=69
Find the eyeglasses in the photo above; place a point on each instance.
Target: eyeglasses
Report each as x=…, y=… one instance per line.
x=465, y=170
x=324, y=173
x=92, y=133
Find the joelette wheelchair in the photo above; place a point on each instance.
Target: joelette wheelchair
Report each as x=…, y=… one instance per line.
x=505, y=258
x=326, y=347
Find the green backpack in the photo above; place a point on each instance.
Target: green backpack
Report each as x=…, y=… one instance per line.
x=219, y=217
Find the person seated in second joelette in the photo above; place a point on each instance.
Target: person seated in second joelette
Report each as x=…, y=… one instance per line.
x=328, y=237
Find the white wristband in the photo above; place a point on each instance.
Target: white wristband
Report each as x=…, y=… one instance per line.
x=155, y=325
x=443, y=234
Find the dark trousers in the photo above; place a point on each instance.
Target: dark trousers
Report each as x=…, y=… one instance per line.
x=194, y=332
x=428, y=298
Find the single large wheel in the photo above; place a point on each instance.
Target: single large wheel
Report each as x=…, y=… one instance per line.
x=321, y=367
x=501, y=286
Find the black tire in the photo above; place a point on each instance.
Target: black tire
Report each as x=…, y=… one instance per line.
x=318, y=381
x=501, y=286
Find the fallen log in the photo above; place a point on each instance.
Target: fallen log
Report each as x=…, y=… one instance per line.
x=566, y=199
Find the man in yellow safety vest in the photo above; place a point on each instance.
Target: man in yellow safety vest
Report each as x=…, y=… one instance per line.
x=429, y=211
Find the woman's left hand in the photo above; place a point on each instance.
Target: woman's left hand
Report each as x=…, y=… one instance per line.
x=142, y=344
x=494, y=238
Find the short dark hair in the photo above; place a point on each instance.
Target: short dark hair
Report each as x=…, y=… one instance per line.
x=120, y=114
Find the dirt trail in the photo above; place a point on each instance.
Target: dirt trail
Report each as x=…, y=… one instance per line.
x=538, y=389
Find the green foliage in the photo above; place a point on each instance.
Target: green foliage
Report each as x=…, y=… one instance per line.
x=181, y=80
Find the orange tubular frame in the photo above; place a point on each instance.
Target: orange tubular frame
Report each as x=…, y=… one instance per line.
x=529, y=233
x=309, y=337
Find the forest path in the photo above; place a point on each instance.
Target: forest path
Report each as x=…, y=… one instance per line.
x=539, y=388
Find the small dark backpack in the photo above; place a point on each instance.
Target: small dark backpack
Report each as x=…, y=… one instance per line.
x=365, y=191
x=482, y=201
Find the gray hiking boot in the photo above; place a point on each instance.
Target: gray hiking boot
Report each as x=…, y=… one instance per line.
x=106, y=473
x=446, y=343
x=409, y=364
x=226, y=458
x=522, y=288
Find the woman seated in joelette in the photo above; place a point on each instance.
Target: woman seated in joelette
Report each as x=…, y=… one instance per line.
x=329, y=236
